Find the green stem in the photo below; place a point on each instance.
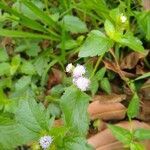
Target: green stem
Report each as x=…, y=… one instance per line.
x=46, y=5
x=97, y=64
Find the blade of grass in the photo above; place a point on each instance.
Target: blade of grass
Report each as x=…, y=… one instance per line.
x=39, y=13
x=23, y=19
x=21, y=34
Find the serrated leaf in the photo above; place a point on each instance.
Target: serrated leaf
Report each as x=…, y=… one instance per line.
x=142, y=134
x=95, y=44
x=15, y=64
x=75, y=143
x=33, y=116
x=4, y=69
x=74, y=107
x=105, y=85
x=132, y=42
x=143, y=19
x=133, y=108
x=14, y=134
x=3, y=55
x=28, y=68
x=74, y=24
x=121, y=134
x=22, y=83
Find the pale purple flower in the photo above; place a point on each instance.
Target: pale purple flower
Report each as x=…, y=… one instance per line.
x=45, y=141
x=69, y=68
x=78, y=71
x=82, y=83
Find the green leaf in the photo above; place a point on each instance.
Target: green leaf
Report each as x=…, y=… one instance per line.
x=133, y=108
x=95, y=44
x=110, y=29
x=136, y=146
x=3, y=55
x=75, y=143
x=105, y=85
x=100, y=74
x=33, y=116
x=121, y=134
x=142, y=134
x=14, y=134
x=132, y=42
x=74, y=105
x=4, y=69
x=74, y=24
x=54, y=110
x=22, y=83
x=145, y=75
x=143, y=19
x=28, y=68
x=15, y=63
x=22, y=19
x=39, y=13
x=21, y=34
x=94, y=85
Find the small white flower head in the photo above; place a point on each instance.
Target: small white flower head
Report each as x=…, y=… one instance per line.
x=82, y=83
x=123, y=18
x=45, y=141
x=69, y=68
x=78, y=71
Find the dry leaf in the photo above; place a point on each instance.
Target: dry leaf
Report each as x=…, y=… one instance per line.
x=146, y=4
x=112, y=66
x=106, y=111
x=145, y=90
x=112, y=98
x=145, y=111
x=131, y=60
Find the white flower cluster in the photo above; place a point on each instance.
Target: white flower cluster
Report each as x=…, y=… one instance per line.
x=45, y=141
x=78, y=73
x=123, y=18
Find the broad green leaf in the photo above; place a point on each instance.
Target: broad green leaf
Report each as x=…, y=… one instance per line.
x=28, y=68
x=54, y=110
x=133, y=108
x=3, y=98
x=4, y=69
x=105, y=85
x=41, y=62
x=110, y=29
x=5, y=82
x=142, y=134
x=132, y=42
x=68, y=44
x=15, y=63
x=123, y=135
x=95, y=44
x=3, y=55
x=74, y=105
x=14, y=134
x=145, y=75
x=21, y=34
x=75, y=143
x=100, y=74
x=143, y=19
x=22, y=83
x=74, y=24
x=33, y=116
